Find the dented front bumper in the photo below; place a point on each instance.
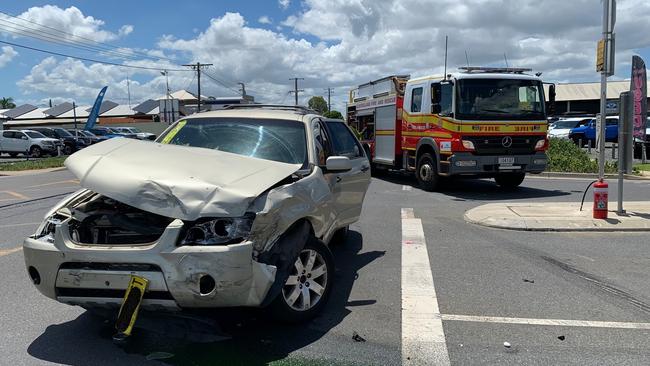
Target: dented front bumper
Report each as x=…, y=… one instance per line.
x=180, y=276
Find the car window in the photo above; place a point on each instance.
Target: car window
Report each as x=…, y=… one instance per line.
x=19, y=135
x=35, y=135
x=62, y=133
x=270, y=139
x=416, y=99
x=322, y=143
x=343, y=142
x=8, y=134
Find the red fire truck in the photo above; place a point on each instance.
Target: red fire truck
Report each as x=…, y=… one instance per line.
x=482, y=122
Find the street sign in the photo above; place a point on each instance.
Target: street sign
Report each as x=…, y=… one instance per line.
x=600, y=56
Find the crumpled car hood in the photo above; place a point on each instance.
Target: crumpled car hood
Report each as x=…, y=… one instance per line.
x=175, y=181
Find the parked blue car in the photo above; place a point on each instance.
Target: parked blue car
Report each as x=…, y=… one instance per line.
x=587, y=132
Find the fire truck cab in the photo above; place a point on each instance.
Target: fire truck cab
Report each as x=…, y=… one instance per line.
x=481, y=122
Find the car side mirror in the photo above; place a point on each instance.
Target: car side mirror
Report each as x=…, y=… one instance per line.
x=436, y=108
x=338, y=164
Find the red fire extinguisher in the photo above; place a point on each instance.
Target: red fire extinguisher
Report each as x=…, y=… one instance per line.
x=600, y=199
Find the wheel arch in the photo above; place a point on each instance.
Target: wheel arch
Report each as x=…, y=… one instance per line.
x=427, y=144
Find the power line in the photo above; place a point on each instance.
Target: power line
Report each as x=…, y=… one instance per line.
x=104, y=45
x=89, y=59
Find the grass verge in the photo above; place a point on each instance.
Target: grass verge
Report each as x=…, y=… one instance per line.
x=643, y=167
x=33, y=164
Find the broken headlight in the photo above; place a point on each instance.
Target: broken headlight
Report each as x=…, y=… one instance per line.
x=218, y=231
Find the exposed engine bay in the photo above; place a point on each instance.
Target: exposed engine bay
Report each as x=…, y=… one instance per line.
x=102, y=220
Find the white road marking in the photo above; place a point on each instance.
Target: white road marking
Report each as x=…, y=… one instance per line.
x=423, y=338
x=21, y=224
x=554, y=322
x=406, y=188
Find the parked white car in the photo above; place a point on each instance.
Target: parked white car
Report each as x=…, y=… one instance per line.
x=137, y=132
x=562, y=127
x=27, y=142
x=234, y=207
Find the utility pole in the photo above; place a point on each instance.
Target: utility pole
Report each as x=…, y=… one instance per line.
x=197, y=66
x=295, y=90
x=167, y=119
x=128, y=88
x=243, y=90
x=329, y=98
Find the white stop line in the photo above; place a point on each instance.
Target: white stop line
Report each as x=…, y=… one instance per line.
x=423, y=339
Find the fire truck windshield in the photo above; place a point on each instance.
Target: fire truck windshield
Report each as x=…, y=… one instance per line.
x=499, y=99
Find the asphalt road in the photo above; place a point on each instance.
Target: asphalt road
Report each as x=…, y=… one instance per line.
x=486, y=280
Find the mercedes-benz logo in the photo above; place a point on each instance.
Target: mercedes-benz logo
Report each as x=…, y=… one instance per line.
x=506, y=141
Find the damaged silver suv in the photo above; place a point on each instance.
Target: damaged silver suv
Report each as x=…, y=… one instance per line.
x=228, y=208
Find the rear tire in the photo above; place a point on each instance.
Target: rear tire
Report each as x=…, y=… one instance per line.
x=308, y=287
x=68, y=149
x=427, y=172
x=510, y=180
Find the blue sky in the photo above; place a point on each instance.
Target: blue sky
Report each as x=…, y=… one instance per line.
x=331, y=43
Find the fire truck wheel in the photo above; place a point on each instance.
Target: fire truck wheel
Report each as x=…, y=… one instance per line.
x=510, y=180
x=427, y=172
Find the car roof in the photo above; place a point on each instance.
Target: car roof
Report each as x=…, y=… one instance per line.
x=261, y=112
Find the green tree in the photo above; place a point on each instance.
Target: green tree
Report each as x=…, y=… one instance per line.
x=333, y=114
x=318, y=104
x=7, y=103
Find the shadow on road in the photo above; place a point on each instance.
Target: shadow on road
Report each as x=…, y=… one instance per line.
x=251, y=338
x=475, y=189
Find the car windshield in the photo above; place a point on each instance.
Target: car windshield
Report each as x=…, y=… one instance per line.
x=35, y=135
x=134, y=130
x=87, y=133
x=62, y=133
x=99, y=132
x=270, y=139
x=504, y=99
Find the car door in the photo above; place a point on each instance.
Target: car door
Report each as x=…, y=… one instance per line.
x=7, y=143
x=611, y=129
x=21, y=141
x=353, y=184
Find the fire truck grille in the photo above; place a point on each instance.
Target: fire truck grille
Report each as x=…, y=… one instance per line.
x=495, y=145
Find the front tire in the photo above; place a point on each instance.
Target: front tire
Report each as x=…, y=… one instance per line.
x=308, y=287
x=68, y=149
x=427, y=172
x=35, y=152
x=510, y=180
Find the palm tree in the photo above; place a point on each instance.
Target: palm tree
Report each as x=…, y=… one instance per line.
x=7, y=103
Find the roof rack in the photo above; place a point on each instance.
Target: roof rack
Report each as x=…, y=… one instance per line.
x=502, y=70
x=297, y=108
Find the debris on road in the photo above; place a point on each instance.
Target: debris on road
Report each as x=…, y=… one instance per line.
x=529, y=281
x=561, y=337
x=357, y=338
x=507, y=344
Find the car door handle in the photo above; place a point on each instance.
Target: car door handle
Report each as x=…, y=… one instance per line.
x=365, y=168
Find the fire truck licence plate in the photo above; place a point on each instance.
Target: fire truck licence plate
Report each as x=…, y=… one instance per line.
x=509, y=160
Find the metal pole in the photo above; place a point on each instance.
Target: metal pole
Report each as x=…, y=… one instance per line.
x=603, y=98
x=295, y=88
x=198, y=76
x=74, y=115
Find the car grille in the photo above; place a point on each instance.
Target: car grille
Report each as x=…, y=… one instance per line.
x=493, y=145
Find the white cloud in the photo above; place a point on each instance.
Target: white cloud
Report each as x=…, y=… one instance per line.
x=284, y=4
x=125, y=30
x=8, y=54
x=71, y=21
x=342, y=43
x=264, y=20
